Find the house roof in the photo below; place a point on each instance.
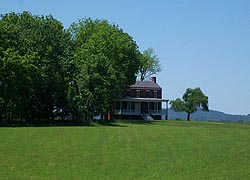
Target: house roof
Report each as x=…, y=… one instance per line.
x=145, y=85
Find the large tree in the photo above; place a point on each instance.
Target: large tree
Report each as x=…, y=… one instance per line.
x=192, y=100
x=36, y=49
x=107, y=59
x=149, y=64
x=16, y=82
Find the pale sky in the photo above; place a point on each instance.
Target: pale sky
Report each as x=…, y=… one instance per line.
x=202, y=44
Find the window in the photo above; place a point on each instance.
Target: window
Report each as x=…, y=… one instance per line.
x=138, y=93
x=155, y=94
x=147, y=93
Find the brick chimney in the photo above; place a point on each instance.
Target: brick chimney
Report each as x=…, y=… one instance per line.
x=153, y=79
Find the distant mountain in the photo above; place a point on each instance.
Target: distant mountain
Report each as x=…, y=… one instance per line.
x=209, y=116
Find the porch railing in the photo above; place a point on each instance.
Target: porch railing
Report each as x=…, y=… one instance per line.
x=137, y=112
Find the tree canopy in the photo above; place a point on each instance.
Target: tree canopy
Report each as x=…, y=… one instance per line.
x=33, y=66
x=107, y=61
x=77, y=72
x=192, y=99
x=149, y=64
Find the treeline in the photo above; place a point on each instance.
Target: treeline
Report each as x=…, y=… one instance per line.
x=47, y=71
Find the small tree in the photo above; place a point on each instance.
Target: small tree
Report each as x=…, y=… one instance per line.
x=149, y=64
x=193, y=99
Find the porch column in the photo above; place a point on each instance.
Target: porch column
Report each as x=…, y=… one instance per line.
x=130, y=106
x=148, y=107
x=140, y=107
x=166, y=118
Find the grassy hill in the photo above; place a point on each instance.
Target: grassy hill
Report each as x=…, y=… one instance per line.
x=157, y=150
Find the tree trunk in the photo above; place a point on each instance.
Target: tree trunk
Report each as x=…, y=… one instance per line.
x=188, y=116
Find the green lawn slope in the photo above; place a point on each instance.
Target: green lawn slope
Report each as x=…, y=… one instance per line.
x=157, y=150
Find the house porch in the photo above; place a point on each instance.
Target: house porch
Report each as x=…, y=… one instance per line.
x=138, y=107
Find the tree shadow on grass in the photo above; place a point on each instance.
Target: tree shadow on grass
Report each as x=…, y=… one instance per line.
x=111, y=123
x=54, y=123
x=142, y=122
x=46, y=124
x=94, y=123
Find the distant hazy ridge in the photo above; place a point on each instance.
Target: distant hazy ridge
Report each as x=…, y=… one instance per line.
x=209, y=116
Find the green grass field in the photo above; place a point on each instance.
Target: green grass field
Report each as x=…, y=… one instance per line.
x=158, y=150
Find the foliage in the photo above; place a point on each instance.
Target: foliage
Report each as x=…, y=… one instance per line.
x=107, y=61
x=149, y=64
x=127, y=151
x=47, y=72
x=16, y=77
x=192, y=100
x=33, y=66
